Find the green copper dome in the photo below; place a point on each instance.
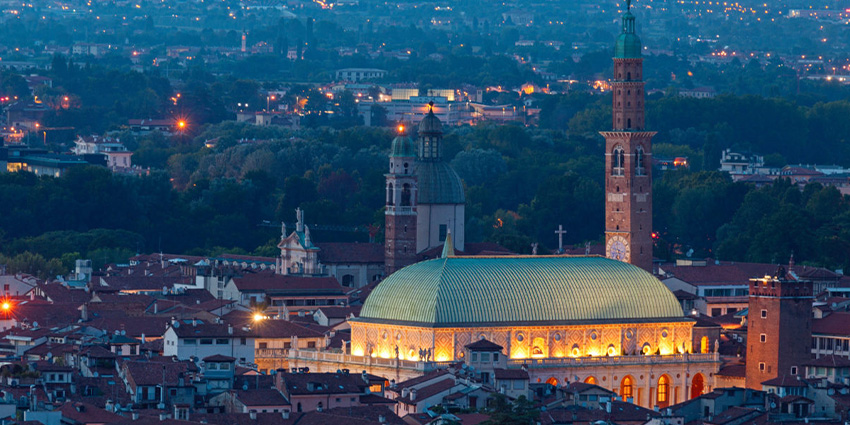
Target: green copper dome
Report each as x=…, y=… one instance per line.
x=456, y=291
x=403, y=147
x=438, y=183
x=628, y=43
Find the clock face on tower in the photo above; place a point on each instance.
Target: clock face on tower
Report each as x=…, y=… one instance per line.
x=617, y=248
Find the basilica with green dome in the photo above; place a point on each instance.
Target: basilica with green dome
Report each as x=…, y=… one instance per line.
x=604, y=321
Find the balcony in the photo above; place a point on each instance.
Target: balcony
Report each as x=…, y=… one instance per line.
x=566, y=362
x=614, y=360
x=271, y=353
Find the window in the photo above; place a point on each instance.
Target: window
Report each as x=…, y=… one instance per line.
x=475, y=357
x=264, y=345
x=444, y=228
x=347, y=280
x=763, y=337
x=663, y=390
x=495, y=357
x=221, y=341
x=519, y=385
x=243, y=341
x=640, y=165
x=405, y=195
x=485, y=357
x=224, y=366
x=212, y=366
x=764, y=314
x=716, y=312
x=311, y=344
x=793, y=370
x=206, y=341
x=761, y=367
x=618, y=161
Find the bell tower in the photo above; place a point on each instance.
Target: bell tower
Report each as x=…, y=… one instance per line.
x=400, y=214
x=628, y=157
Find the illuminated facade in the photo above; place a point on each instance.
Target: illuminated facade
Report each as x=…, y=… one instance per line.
x=587, y=319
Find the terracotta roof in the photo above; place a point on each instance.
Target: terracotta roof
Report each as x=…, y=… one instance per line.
x=322, y=383
x=735, y=414
x=270, y=328
x=510, y=374
x=262, y=397
x=427, y=391
x=829, y=361
x=211, y=330
x=725, y=273
x=785, y=381
x=434, y=374
x=837, y=323
x=484, y=345
x=135, y=327
x=144, y=283
x=734, y=371
x=286, y=284
x=84, y=413
x=351, y=253
x=147, y=373
x=56, y=292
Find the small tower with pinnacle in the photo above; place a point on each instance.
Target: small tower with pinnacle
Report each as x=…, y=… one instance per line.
x=400, y=214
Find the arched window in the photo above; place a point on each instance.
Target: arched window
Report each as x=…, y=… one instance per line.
x=552, y=381
x=663, y=396
x=628, y=75
x=405, y=195
x=697, y=385
x=590, y=380
x=627, y=388
x=618, y=160
x=347, y=280
x=703, y=345
x=390, y=194
x=629, y=123
x=640, y=162
x=298, y=408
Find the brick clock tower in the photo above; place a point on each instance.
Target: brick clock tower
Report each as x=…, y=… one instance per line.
x=400, y=214
x=779, y=329
x=628, y=158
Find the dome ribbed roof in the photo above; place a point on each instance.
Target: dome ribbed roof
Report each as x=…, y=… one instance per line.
x=627, y=47
x=430, y=124
x=438, y=183
x=501, y=290
x=403, y=147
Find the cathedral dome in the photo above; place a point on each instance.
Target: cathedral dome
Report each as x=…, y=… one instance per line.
x=452, y=291
x=430, y=124
x=403, y=147
x=438, y=183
